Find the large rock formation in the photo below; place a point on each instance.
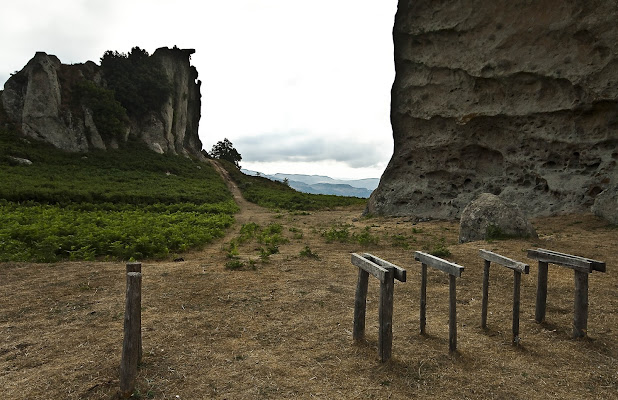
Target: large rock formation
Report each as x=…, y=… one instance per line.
x=512, y=97
x=43, y=101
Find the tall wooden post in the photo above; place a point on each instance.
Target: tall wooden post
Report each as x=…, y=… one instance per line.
x=137, y=267
x=485, y=294
x=541, y=293
x=130, y=350
x=516, y=303
x=360, y=305
x=580, y=316
x=452, y=319
x=423, y=320
x=385, y=337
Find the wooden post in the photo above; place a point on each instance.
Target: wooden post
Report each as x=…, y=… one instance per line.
x=360, y=305
x=452, y=319
x=423, y=321
x=485, y=294
x=137, y=267
x=541, y=293
x=516, y=303
x=580, y=316
x=130, y=350
x=385, y=337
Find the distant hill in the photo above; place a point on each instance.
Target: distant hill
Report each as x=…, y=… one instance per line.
x=319, y=184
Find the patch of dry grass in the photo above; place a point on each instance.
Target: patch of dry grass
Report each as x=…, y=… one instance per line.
x=283, y=330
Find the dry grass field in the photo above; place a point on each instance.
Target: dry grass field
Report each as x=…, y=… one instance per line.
x=282, y=328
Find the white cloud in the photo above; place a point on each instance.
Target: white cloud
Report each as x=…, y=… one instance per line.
x=318, y=73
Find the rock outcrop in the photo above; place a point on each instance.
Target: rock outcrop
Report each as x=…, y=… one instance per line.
x=515, y=98
x=488, y=217
x=43, y=101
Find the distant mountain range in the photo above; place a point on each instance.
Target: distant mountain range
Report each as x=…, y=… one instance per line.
x=319, y=184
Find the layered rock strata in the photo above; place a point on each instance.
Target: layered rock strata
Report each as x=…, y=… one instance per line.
x=39, y=101
x=516, y=98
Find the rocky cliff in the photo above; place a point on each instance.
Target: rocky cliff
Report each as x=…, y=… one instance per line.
x=71, y=107
x=511, y=97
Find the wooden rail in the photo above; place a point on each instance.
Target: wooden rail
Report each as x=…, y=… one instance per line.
x=518, y=268
x=454, y=272
x=582, y=267
x=386, y=274
x=132, y=343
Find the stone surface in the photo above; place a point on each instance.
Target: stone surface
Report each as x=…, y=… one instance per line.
x=490, y=217
x=606, y=205
x=515, y=98
x=37, y=99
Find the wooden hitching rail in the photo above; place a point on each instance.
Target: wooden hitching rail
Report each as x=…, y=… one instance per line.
x=582, y=267
x=518, y=268
x=454, y=272
x=386, y=274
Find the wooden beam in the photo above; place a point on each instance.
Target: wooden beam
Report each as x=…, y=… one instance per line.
x=369, y=266
x=485, y=300
x=596, y=265
x=580, y=315
x=385, y=316
x=360, y=305
x=516, y=305
x=504, y=261
x=132, y=322
x=400, y=273
x=564, y=260
x=438, y=263
x=541, y=292
x=423, y=316
x=452, y=318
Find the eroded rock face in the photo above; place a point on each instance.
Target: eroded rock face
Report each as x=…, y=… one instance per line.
x=489, y=217
x=515, y=98
x=40, y=101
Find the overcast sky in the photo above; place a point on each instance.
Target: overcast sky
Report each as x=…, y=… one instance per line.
x=296, y=86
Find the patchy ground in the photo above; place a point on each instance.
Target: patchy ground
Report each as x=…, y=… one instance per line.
x=282, y=328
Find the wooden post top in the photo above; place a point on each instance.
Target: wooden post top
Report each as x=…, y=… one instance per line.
x=505, y=262
x=438, y=263
x=566, y=260
x=378, y=267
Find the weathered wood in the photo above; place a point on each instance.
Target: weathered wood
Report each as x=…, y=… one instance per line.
x=516, y=304
x=504, y=261
x=597, y=265
x=423, y=320
x=485, y=300
x=132, y=322
x=580, y=316
x=137, y=267
x=385, y=339
x=369, y=266
x=541, y=292
x=134, y=267
x=563, y=260
x=452, y=320
x=360, y=305
x=400, y=273
x=438, y=263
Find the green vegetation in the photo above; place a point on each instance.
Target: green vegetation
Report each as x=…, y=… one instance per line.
x=438, y=249
x=138, y=80
x=117, y=204
x=277, y=195
x=341, y=233
x=108, y=115
x=224, y=150
x=306, y=252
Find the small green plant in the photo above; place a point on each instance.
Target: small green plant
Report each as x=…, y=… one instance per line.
x=440, y=249
x=339, y=233
x=400, y=241
x=297, y=234
x=234, y=265
x=306, y=252
x=365, y=237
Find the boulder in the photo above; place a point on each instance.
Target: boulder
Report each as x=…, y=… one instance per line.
x=606, y=205
x=488, y=217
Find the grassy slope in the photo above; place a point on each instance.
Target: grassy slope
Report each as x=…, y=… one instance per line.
x=117, y=204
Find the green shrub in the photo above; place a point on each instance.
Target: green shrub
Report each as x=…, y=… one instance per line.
x=306, y=252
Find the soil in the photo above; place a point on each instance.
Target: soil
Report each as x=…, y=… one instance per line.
x=283, y=329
